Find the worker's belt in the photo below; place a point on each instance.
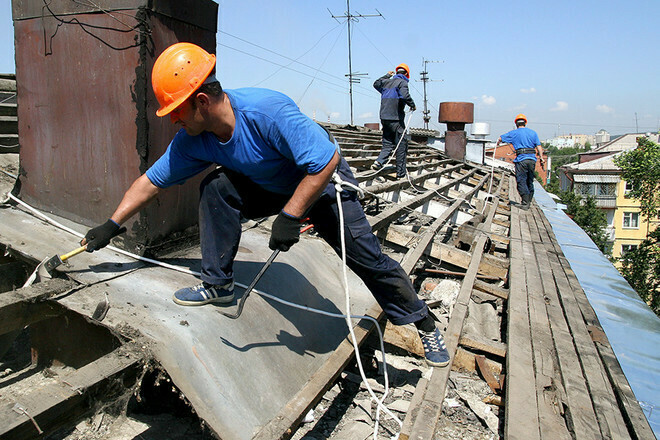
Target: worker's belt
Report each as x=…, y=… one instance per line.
x=525, y=151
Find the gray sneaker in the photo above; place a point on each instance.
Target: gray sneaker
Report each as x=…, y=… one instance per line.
x=435, y=350
x=204, y=293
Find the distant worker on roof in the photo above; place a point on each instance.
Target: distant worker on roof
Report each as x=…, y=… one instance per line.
x=526, y=145
x=273, y=160
x=394, y=98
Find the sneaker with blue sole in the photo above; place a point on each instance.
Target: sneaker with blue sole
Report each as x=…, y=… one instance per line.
x=435, y=350
x=205, y=293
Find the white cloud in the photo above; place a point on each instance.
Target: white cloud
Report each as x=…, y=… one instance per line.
x=560, y=106
x=530, y=90
x=367, y=115
x=487, y=100
x=604, y=109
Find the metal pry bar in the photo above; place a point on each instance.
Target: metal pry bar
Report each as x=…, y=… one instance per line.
x=254, y=282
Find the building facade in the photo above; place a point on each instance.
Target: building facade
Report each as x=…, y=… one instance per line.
x=595, y=174
x=572, y=140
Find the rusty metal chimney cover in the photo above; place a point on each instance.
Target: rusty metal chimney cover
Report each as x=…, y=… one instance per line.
x=461, y=112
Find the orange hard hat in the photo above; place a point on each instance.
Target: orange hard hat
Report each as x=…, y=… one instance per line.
x=403, y=66
x=519, y=117
x=178, y=72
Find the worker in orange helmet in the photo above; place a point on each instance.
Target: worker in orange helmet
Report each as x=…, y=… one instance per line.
x=274, y=161
x=393, y=88
x=526, y=145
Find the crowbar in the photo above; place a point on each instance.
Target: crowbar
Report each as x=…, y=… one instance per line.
x=254, y=282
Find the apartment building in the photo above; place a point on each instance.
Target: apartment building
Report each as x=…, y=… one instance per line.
x=595, y=174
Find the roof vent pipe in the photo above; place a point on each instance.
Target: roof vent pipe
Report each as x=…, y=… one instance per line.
x=456, y=115
x=480, y=130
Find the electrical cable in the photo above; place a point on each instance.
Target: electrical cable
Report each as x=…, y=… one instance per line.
x=84, y=26
x=284, y=56
x=291, y=69
x=288, y=58
x=316, y=72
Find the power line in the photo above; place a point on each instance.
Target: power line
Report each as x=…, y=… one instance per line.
x=286, y=67
x=324, y=60
x=283, y=56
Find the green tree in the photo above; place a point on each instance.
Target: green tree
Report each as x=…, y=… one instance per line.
x=589, y=217
x=641, y=267
x=560, y=157
x=641, y=168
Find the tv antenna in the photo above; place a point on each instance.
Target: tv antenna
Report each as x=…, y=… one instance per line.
x=426, y=115
x=352, y=77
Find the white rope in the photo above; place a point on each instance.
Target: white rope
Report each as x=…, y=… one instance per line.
x=112, y=248
x=492, y=176
x=379, y=402
x=393, y=153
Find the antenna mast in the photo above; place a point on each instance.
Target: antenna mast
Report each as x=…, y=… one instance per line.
x=352, y=77
x=424, y=75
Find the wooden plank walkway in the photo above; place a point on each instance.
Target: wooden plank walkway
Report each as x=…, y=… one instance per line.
x=558, y=387
x=617, y=388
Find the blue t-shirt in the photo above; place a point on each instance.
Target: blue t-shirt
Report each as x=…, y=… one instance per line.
x=522, y=137
x=273, y=143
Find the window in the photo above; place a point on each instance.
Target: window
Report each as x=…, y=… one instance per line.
x=586, y=189
x=596, y=189
x=631, y=220
x=607, y=189
x=625, y=248
x=629, y=188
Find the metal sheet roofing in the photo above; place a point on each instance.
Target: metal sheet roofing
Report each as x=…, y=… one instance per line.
x=631, y=326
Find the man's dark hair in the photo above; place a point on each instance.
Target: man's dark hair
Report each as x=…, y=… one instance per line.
x=520, y=123
x=213, y=89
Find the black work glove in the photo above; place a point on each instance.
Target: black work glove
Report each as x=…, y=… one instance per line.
x=413, y=108
x=100, y=236
x=285, y=232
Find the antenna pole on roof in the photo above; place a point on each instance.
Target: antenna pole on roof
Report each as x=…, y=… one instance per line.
x=424, y=75
x=352, y=77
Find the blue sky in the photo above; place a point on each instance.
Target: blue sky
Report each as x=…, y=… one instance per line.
x=570, y=66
